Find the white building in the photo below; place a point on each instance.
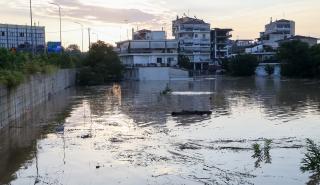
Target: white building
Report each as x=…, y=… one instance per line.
x=148, y=49
x=277, y=30
x=193, y=36
x=21, y=37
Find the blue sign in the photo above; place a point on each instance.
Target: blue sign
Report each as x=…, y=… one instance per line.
x=54, y=47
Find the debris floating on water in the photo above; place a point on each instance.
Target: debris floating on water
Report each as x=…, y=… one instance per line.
x=186, y=113
x=86, y=136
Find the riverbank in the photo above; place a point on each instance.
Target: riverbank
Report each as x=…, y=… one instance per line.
x=20, y=101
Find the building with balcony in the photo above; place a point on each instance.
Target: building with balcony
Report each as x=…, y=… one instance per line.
x=220, y=43
x=148, y=49
x=275, y=31
x=193, y=36
x=22, y=37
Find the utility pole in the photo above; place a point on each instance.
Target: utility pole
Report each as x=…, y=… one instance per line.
x=81, y=34
x=59, y=7
x=31, y=24
x=89, y=38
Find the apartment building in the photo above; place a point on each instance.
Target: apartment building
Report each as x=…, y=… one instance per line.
x=193, y=36
x=148, y=49
x=220, y=43
x=22, y=37
x=275, y=31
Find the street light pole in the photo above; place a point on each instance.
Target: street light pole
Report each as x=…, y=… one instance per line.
x=59, y=19
x=31, y=24
x=81, y=34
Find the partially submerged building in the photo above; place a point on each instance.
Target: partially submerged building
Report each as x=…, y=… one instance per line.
x=148, y=49
x=193, y=36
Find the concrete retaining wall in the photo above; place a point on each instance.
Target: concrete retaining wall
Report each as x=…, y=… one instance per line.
x=37, y=89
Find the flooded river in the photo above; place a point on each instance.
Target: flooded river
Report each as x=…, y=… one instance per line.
x=125, y=134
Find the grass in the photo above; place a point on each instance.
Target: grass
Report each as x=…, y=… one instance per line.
x=311, y=161
x=262, y=153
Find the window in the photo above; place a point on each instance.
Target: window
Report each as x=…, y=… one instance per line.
x=203, y=36
x=3, y=33
x=195, y=35
x=159, y=60
x=21, y=34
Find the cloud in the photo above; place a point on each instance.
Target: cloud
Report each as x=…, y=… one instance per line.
x=78, y=10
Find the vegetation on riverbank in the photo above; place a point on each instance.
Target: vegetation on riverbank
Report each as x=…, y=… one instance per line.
x=241, y=65
x=311, y=162
x=298, y=60
x=15, y=67
x=184, y=62
x=101, y=65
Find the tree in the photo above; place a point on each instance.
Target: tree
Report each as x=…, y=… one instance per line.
x=315, y=57
x=73, y=49
x=101, y=65
x=243, y=65
x=295, y=59
x=269, y=69
x=184, y=62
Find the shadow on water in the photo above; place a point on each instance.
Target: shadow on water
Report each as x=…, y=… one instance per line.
x=18, y=141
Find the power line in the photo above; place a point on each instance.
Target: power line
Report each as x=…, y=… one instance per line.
x=71, y=30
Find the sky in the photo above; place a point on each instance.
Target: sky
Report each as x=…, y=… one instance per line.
x=113, y=20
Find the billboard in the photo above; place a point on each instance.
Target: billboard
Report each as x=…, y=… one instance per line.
x=54, y=47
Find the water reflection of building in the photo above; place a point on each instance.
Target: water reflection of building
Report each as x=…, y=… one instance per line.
x=142, y=101
x=147, y=106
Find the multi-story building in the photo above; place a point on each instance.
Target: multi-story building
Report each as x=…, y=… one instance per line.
x=275, y=31
x=239, y=46
x=193, y=36
x=148, y=48
x=220, y=43
x=311, y=41
x=22, y=37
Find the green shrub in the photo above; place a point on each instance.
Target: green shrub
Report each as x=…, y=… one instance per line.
x=184, y=62
x=101, y=65
x=11, y=79
x=269, y=69
x=49, y=69
x=243, y=65
x=299, y=60
x=311, y=162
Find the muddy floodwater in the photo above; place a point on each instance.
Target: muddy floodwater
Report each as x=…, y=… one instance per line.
x=124, y=134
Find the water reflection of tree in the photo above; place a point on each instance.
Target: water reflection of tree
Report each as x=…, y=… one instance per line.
x=293, y=99
x=103, y=99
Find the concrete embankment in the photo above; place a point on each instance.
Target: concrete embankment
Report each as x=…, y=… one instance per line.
x=14, y=103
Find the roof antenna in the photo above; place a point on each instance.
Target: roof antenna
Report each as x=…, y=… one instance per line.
x=270, y=19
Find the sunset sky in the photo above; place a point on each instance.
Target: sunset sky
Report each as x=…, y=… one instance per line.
x=111, y=20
